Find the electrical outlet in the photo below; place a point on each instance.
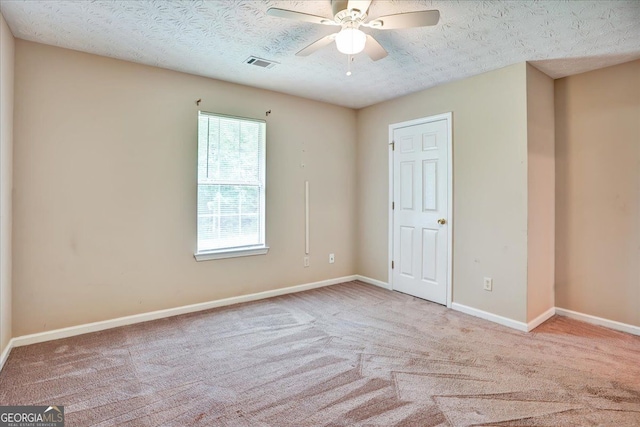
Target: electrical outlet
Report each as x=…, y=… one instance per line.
x=488, y=284
x=306, y=261
x=332, y=258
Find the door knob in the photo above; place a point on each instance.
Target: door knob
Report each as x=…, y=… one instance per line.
x=442, y=221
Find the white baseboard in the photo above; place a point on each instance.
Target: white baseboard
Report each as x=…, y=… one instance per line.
x=521, y=326
x=527, y=327
x=541, y=319
x=374, y=282
x=5, y=353
x=153, y=315
x=505, y=321
x=611, y=324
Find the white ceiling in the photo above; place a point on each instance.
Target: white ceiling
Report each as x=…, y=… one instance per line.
x=213, y=38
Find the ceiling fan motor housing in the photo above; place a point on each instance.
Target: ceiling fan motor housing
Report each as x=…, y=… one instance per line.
x=338, y=6
x=342, y=15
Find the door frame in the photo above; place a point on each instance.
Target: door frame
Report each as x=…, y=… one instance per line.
x=392, y=127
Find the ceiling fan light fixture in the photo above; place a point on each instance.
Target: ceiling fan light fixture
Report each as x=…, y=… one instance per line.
x=350, y=41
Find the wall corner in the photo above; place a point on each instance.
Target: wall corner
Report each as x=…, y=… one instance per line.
x=540, y=193
x=7, y=60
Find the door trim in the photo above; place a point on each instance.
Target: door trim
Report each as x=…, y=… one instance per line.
x=392, y=127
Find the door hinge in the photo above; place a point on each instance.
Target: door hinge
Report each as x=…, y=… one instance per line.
x=393, y=146
x=393, y=205
x=392, y=265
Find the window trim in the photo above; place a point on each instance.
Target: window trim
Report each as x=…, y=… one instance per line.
x=231, y=252
x=248, y=250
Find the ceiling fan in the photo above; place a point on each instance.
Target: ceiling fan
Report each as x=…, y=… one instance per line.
x=351, y=15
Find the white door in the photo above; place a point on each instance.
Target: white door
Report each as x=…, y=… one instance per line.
x=420, y=209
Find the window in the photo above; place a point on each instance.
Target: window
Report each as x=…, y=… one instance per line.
x=231, y=187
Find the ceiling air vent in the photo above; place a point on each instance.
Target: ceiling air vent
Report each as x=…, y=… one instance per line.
x=259, y=62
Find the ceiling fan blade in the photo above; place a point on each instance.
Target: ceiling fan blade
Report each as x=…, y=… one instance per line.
x=317, y=45
x=299, y=16
x=361, y=5
x=374, y=49
x=424, y=18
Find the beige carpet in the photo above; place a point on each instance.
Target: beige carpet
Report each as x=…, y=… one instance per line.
x=346, y=355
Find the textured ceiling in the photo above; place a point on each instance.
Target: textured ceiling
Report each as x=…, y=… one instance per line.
x=213, y=38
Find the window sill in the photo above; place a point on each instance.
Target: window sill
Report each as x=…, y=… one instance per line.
x=231, y=253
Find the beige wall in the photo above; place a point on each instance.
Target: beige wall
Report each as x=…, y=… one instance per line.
x=598, y=193
x=105, y=155
x=7, y=52
x=105, y=196
x=490, y=185
x=541, y=193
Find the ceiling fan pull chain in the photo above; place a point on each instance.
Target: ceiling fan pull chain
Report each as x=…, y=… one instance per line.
x=349, y=60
